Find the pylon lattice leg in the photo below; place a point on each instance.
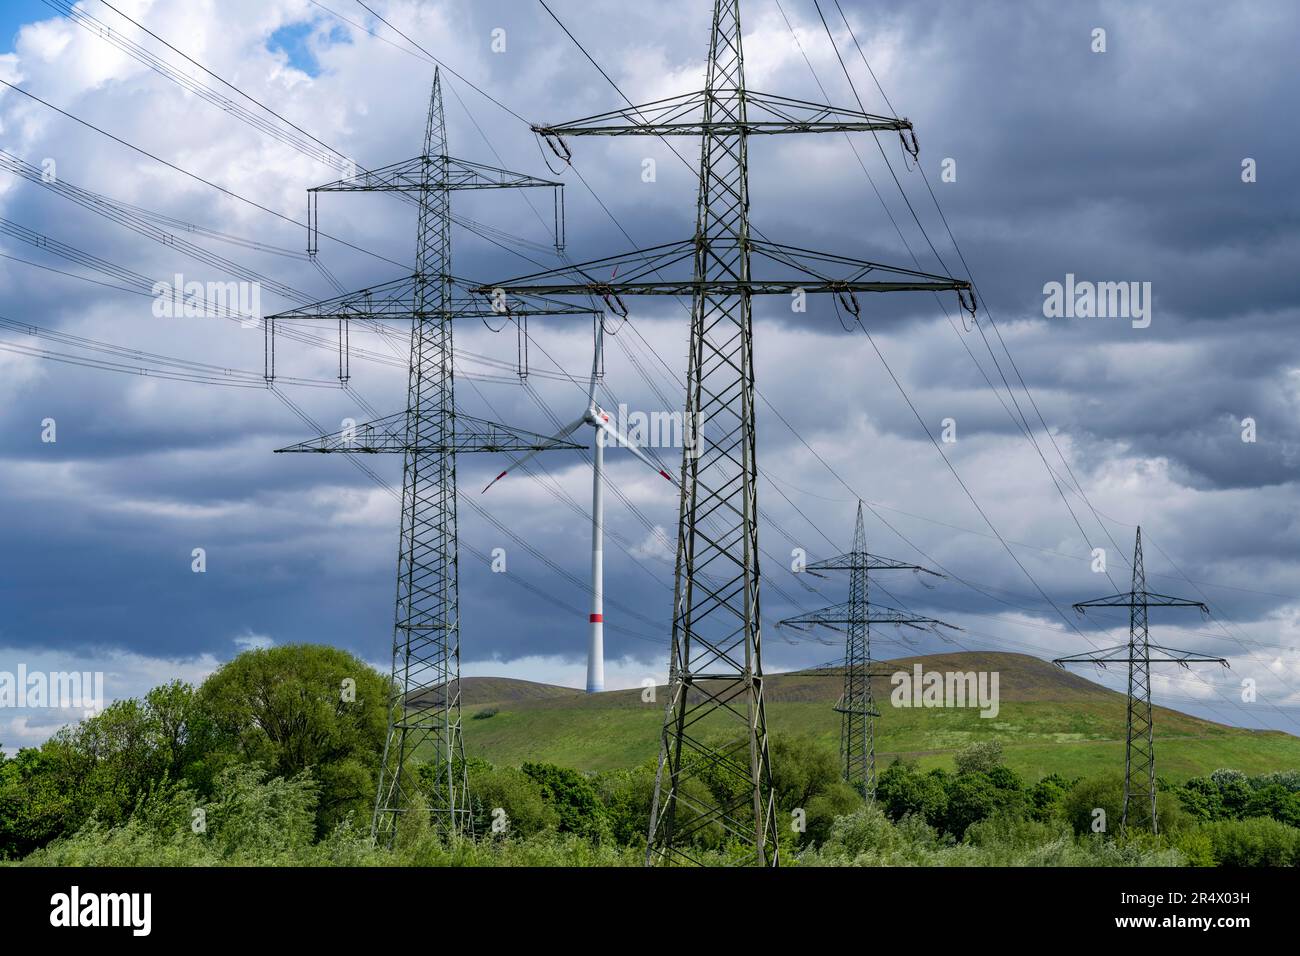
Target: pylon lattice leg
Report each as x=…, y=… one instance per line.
x=1139, y=745
x=714, y=769
x=425, y=709
x=857, y=726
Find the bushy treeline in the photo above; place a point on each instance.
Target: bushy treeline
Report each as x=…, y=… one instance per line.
x=983, y=807
x=296, y=712
x=273, y=761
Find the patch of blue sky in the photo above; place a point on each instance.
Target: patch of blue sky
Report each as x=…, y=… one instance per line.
x=301, y=42
x=14, y=15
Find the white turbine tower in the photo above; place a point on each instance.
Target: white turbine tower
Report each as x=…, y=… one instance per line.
x=599, y=421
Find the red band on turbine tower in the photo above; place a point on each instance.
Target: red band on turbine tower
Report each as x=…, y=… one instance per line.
x=598, y=619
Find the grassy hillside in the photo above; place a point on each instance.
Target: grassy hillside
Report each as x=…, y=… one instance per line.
x=1050, y=720
x=475, y=691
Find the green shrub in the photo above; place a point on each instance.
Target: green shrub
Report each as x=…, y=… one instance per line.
x=1093, y=793
x=864, y=830
x=1253, y=842
x=902, y=789
x=1046, y=799
x=303, y=707
x=825, y=808
x=1008, y=830
x=254, y=818
x=1277, y=802
x=573, y=799
x=1106, y=792
x=806, y=776
x=511, y=790
x=626, y=796
x=979, y=757
x=1197, y=846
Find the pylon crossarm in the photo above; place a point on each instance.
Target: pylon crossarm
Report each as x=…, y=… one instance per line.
x=398, y=300
x=468, y=302
x=462, y=174
x=726, y=287
x=412, y=175
x=1122, y=654
x=686, y=115
x=867, y=562
x=1113, y=600
x=843, y=614
x=1119, y=654
x=650, y=272
x=1139, y=599
x=1153, y=599
x=824, y=265
x=395, y=298
x=1175, y=656
x=631, y=266
x=470, y=434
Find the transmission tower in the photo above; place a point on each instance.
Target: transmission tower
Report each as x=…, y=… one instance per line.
x=1139, y=743
x=715, y=728
x=425, y=709
x=857, y=706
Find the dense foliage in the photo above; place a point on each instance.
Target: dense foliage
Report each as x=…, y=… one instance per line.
x=273, y=761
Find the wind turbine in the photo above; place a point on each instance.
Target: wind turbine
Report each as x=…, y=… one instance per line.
x=598, y=420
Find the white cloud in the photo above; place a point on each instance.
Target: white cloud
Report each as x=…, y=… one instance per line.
x=251, y=642
x=620, y=673
x=126, y=674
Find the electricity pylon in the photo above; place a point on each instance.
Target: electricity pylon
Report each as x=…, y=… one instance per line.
x=1139, y=743
x=425, y=709
x=857, y=706
x=715, y=668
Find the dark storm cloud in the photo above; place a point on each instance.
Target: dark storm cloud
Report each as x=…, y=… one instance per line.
x=1122, y=166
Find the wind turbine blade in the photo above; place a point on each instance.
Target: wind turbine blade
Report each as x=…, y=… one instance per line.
x=595, y=362
x=558, y=437
x=603, y=423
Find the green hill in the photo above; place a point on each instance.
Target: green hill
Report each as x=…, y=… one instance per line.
x=1050, y=720
x=501, y=690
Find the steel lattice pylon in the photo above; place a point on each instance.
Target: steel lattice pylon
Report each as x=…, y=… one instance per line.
x=425, y=711
x=857, y=706
x=1139, y=744
x=714, y=771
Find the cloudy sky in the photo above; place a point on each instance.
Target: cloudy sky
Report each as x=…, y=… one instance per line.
x=1048, y=157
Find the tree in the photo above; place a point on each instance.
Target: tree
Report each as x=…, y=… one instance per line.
x=1234, y=789
x=971, y=797
x=801, y=770
x=1106, y=793
x=806, y=777
x=251, y=817
x=1254, y=842
x=1088, y=795
x=510, y=798
x=300, y=708
x=1277, y=802
x=34, y=809
x=1047, y=798
x=626, y=796
x=1201, y=798
x=902, y=789
x=573, y=798
x=978, y=757
x=179, y=733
